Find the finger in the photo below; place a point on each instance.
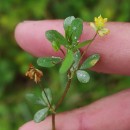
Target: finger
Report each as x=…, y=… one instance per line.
x=110, y=113
x=113, y=48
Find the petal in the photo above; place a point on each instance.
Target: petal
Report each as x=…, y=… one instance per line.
x=103, y=31
x=95, y=19
x=105, y=20
x=93, y=26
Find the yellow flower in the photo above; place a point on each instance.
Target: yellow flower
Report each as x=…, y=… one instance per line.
x=100, y=22
x=103, y=31
x=98, y=25
x=34, y=73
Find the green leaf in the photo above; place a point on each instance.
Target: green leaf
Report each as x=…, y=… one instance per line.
x=54, y=36
x=55, y=46
x=76, y=29
x=35, y=99
x=82, y=44
x=48, y=94
x=83, y=76
x=41, y=115
x=77, y=56
x=48, y=61
x=68, y=21
x=67, y=62
x=90, y=61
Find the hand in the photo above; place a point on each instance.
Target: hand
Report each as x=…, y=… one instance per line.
x=110, y=113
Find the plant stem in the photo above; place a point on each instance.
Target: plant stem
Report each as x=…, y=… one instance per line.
x=89, y=45
x=59, y=102
x=64, y=94
x=53, y=122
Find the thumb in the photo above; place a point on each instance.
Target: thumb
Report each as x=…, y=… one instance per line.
x=110, y=113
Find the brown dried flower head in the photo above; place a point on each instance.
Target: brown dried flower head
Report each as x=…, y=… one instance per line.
x=34, y=73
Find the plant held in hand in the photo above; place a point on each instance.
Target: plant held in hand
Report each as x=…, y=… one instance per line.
x=72, y=64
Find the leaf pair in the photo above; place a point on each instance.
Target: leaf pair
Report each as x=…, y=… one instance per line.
x=82, y=75
x=73, y=29
x=42, y=114
x=41, y=100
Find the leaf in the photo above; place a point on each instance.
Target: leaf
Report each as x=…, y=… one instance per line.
x=48, y=94
x=55, y=46
x=41, y=115
x=35, y=99
x=54, y=36
x=83, y=76
x=82, y=44
x=77, y=56
x=68, y=21
x=90, y=61
x=48, y=61
x=76, y=29
x=66, y=64
x=67, y=25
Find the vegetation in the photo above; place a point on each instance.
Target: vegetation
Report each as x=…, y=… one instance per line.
x=14, y=109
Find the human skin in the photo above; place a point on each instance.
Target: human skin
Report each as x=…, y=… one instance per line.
x=109, y=113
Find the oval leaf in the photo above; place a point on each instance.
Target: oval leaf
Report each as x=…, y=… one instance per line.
x=68, y=21
x=77, y=56
x=48, y=94
x=83, y=76
x=41, y=115
x=35, y=99
x=54, y=36
x=67, y=62
x=76, y=29
x=48, y=61
x=90, y=61
x=82, y=44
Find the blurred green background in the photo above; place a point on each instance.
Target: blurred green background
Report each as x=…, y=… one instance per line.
x=14, y=109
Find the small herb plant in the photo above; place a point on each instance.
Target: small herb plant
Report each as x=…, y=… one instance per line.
x=72, y=63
